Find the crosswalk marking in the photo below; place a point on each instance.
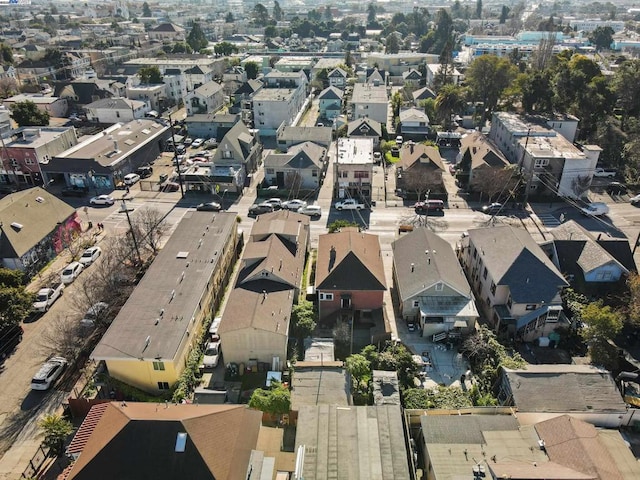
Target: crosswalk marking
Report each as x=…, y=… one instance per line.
x=548, y=220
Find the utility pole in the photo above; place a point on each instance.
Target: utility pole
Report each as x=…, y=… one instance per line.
x=529, y=173
x=124, y=209
x=175, y=157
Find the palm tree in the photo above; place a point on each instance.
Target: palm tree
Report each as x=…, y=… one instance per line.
x=56, y=430
x=450, y=99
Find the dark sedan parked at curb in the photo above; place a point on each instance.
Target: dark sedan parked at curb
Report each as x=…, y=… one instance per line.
x=209, y=207
x=260, y=208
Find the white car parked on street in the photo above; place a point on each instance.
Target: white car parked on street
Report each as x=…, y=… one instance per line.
x=48, y=373
x=90, y=255
x=71, y=272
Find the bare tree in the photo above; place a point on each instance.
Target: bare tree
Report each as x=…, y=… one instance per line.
x=420, y=181
x=149, y=226
x=491, y=181
x=8, y=87
x=543, y=55
x=64, y=335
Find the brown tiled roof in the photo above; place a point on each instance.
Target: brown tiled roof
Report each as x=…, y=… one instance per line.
x=575, y=444
x=137, y=440
x=356, y=263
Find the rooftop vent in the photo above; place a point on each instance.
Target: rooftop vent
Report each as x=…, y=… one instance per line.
x=17, y=226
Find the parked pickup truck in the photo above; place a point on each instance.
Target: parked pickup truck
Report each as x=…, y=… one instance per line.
x=47, y=296
x=349, y=204
x=604, y=172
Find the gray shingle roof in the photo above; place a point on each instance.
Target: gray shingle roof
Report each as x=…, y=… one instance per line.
x=564, y=388
x=575, y=244
x=304, y=155
x=464, y=429
x=441, y=266
x=331, y=93
x=515, y=259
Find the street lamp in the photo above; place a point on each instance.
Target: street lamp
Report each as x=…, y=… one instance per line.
x=124, y=209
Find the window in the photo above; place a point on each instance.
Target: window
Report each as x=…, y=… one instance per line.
x=360, y=174
x=439, y=287
x=416, y=303
x=541, y=162
x=531, y=306
x=163, y=386
x=118, y=114
x=344, y=174
x=314, y=173
x=326, y=296
x=493, y=289
x=29, y=161
x=475, y=252
x=484, y=273
x=345, y=302
x=158, y=366
x=271, y=171
x=509, y=301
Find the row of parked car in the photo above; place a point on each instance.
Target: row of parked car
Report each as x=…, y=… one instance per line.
x=295, y=205
x=51, y=370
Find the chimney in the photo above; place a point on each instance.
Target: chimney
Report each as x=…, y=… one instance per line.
x=411, y=147
x=115, y=146
x=264, y=295
x=413, y=267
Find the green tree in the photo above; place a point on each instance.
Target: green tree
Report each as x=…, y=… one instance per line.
x=371, y=14
x=146, y=11
x=6, y=53
x=276, y=401
x=277, y=11
x=504, y=14
x=26, y=114
x=260, y=15
x=396, y=103
x=396, y=357
x=487, y=77
x=15, y=300
x=196, y=38
x=600, y=325
x=229, y=18
x=252, y=69
x=328, y=16
x=340, y=224
x=535, y=88
x=449, y=100
x=180, y=47
x=627, y=88
x=56, y=429
x=150, y=75
x=224, y=49
x=601, y=37
x=360, y=370
x=392, y=44
x=303, y=319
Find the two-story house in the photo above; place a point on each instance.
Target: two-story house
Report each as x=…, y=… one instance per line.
x=419, y=171
x=207, y=98
x=330, y=102
x=479, y=157
x=116, y=109
x=28, y=148
x=273, y=107
x=338, y=78
x=350, y=281
x=367, y=128
x=431, y=288
x=255, y=322
x=152, y=95
x=369, y=101
x=237, y=156
x=516, y=284
x=354, y=168
x=301, y=167
x=167, y=32
x=414, y=123
x=543, y=147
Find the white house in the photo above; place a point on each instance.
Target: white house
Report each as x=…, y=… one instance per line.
x=300, y=168
x=274, y=106
x=208, y=98
x=433, y=70
x=369, y=101
x=116, y=109
x=330, y=102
